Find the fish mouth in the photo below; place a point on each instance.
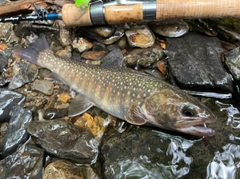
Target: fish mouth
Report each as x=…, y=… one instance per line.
x=197, y=130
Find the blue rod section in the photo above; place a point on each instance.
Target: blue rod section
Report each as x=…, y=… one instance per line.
x=53, y=16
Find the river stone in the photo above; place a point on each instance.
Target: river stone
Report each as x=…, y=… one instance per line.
x=62, y=169
x=16, y=132
x=43, y=86
x=141, y=153
x=81, y=44
x=233, y=62
x=65, y=140
x=8, y=101
x=23, y=73
x=140, y=37
x=194, y=62
x=25, y=163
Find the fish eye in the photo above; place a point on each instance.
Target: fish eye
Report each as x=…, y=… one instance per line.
x=188, y=112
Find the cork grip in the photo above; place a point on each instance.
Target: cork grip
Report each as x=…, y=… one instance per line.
x=123, y=13
x=197, y=8
x=74, y=16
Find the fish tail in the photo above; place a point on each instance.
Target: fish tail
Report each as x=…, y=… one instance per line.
x=31, y=53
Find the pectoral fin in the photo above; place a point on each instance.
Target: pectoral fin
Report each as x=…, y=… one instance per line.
x=79, y=105
x=135, y=116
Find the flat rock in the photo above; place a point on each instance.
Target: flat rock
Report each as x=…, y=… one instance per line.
x=194, y=62
x=43, y=86
x=140, y=37
x=65, y=140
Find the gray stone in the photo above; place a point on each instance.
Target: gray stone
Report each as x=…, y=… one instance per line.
x=233, y=62
x=65, y=140
x=43, y=86
x=194, y=62
x=26, y=162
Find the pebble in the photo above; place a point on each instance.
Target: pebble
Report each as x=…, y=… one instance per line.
x=81, y=44
x=93, y=55
x=233, y=62
x=96, y=125
x=118, y=34
x=140, y=37
x=143, y=57
x=62, y=169
x=65, y=140
x=43, y=86
x=113, y=58
x=98, y=46
x=23, y=73
x=64, y=97
x=103, y=31
x=171, y=28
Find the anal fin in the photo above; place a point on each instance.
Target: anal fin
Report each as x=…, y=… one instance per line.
x=79, y=105
x=135, y=116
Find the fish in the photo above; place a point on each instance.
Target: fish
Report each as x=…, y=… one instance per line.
x=135, y=97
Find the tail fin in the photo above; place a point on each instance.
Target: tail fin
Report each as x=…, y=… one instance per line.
x=31, y=53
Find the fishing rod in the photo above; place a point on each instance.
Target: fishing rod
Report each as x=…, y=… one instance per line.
x=123, y=11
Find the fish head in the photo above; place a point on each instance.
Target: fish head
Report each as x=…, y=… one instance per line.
x=175, y=110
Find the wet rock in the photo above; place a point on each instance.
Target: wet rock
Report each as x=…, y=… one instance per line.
x=113, y=58
x=140, y=153
x=227, y=33
x=3, y=46
x=233, y=62
x=143, y=57
x=16, y=133
x=8, y=101
x=43, y=86
x=118, y=34
x=53, y=113
x=171, y=28
x=62, y=169
x=96, y=125
x=81, y=44
x=194, y=62
x=64, y=97
x=122, y=43
x=65, y=140
x=97, y=46
x=26, y=162
x=140, y=37
x=4, y=81
x=7, y=34
x=93, y=55
x=162, y=67
x=103, y=31
x=23, y=73
x=3, y=62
